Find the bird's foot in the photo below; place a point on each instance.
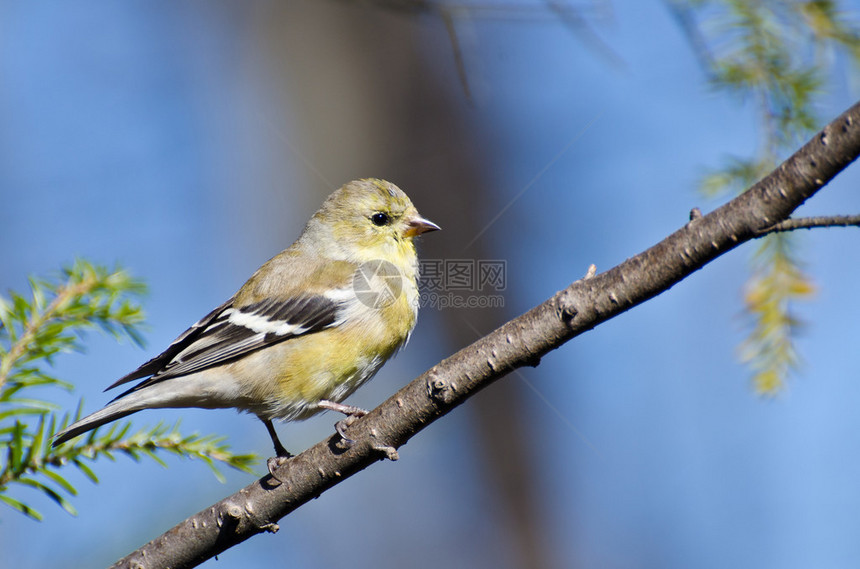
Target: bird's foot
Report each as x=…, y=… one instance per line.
x=275, y=462
x=352, y=413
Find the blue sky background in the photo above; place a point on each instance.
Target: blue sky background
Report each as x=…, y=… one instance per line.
x=152, y=136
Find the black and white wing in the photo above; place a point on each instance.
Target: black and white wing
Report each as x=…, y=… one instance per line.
x=229, y=332
x=161, y=360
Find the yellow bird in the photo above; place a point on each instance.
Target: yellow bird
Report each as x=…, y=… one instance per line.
x=308, y=328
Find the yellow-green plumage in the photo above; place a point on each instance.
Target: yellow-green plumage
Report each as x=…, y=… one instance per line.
x=297, y=335
x=332, y=363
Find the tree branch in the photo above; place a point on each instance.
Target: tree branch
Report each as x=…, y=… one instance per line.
x=520, y=342
x=811, y=222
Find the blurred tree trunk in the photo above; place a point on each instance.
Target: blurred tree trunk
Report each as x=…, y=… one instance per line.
x=369, y=103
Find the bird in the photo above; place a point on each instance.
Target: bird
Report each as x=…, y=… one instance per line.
x=309, y=327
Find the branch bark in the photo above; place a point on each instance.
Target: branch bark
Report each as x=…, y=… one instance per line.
x=520, y=342
x=813, y=222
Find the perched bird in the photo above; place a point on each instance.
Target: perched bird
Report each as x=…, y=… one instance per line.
x=308, y=328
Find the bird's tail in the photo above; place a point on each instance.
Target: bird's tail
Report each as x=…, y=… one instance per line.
x=115, y=410
x=207, y=390
x=135, y=399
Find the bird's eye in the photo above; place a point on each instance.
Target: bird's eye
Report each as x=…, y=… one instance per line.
x=379, y=219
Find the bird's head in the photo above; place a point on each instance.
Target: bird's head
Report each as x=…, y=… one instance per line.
x=372, y=219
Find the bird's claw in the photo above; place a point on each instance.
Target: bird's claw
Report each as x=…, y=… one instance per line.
x=275, y=462
x=352, y=413
x=341, y=427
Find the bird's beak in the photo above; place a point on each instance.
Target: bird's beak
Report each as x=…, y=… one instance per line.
x=418, y=225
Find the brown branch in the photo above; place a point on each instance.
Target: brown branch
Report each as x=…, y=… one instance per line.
x=812, y=222
x=520, y=342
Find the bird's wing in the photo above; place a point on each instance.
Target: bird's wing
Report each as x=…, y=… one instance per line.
x=230, y=332
x=161, y=360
